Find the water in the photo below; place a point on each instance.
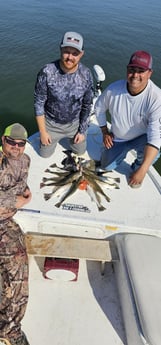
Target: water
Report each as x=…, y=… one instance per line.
x=30, y=33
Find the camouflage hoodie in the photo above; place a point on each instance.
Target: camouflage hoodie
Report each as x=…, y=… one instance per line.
x=13, y=182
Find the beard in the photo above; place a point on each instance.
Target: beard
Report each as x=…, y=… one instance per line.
x=69, y=64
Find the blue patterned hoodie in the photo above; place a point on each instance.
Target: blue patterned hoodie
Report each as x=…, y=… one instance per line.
x=64, y=97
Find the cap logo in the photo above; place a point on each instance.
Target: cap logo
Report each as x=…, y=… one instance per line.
x=72, y=39
x=138, y=58
x=141, y=59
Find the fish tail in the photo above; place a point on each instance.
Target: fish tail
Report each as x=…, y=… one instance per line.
x=53, y=165
x=47, y=196
x=117, y=179
x=101, y=207
x=58, y=204
x=111, y=186
x=42, y=185
x=105, y=195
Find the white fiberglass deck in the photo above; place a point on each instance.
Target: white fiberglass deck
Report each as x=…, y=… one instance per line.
x=86, y=311
x=81, y=312
x=128, y=209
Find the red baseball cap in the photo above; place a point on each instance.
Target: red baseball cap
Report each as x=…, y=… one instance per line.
x=141, y=59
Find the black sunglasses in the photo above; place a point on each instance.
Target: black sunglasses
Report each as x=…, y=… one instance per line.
x=14, y=143
x=136, y=70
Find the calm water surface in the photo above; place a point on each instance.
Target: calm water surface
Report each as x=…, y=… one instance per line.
x=30, y=33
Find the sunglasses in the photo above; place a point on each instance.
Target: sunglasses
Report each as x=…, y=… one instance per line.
x=136, y=70
x=14, y=143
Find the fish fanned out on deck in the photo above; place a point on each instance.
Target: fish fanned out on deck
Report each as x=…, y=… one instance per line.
x=57, y=191
x=95, y=197
x=110, y=181
x=95, y=186
x=75, y=171
x=70, y=191
x=62, y=181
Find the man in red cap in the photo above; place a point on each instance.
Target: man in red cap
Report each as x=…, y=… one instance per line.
x=134, y=105
x=14, y=194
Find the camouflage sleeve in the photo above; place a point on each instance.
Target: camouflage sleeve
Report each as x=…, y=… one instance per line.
x=9, y=188
x=21, y=184
x=7, y=204
x=7, y=199
x=40, y=93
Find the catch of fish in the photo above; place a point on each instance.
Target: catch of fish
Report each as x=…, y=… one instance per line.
x=78, y=173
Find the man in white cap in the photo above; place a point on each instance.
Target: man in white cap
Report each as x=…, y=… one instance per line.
x=135, y=108
x=14, y=193
x=63, y=98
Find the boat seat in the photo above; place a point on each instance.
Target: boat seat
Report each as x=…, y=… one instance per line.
x=141, y=256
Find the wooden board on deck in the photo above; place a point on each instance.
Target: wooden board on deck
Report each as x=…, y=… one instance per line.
x=70, y=247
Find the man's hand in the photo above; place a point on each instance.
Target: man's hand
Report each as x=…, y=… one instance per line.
x=45, y=138
x=108, y=140
x=137, y=177
x=44, y=135
x=79, y=138
x=23, y=199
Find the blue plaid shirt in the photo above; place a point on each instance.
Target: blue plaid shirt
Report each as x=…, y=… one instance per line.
x=64, y=97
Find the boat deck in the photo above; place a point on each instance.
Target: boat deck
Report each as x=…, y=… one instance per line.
x=129, y=209
x=85, y=311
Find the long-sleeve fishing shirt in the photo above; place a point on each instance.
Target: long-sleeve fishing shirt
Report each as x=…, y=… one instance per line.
x=13, y=182
x=131, y=116
x=64, y=97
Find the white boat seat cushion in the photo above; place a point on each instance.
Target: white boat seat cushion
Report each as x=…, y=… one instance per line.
x=142, y=255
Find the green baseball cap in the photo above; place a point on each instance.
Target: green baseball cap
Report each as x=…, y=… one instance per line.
x=16, y=131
